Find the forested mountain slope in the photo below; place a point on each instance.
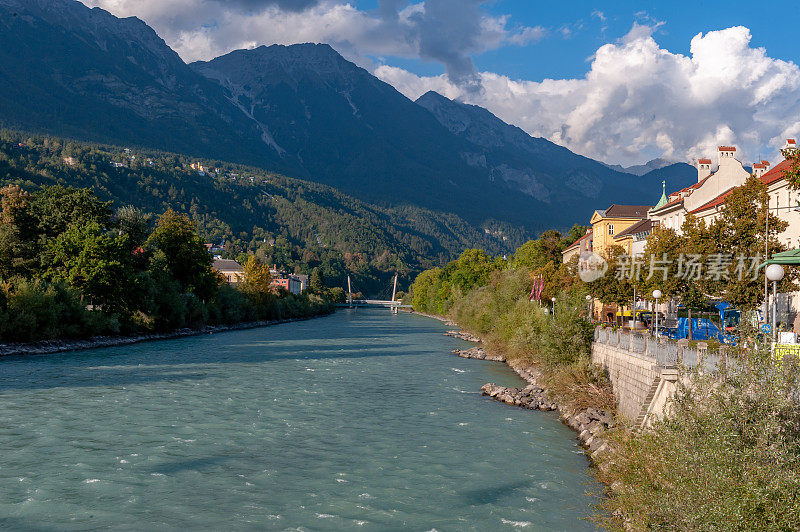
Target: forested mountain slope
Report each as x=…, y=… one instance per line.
x=296, y=224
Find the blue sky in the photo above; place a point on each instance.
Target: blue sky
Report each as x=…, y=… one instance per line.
x=576, y=29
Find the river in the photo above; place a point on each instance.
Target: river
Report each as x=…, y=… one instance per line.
x=361, y=420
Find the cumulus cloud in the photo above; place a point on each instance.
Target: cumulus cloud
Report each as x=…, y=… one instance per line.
x=444, y=31
x=640, y=101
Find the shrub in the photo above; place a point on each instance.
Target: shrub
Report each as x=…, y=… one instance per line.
x=728, y=456
x=37, y=310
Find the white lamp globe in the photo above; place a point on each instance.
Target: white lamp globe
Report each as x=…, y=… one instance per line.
x=657, y=294
x=588, y=298
x=553, y=299
x=774, y=272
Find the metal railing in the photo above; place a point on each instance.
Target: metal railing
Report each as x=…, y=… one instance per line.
x=663, y=352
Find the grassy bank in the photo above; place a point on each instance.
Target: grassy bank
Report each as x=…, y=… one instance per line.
x=489, y=298
x=726, y=458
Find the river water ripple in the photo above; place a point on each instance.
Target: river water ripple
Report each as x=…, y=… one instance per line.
x=361, y=420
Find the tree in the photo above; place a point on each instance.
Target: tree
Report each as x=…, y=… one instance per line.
x=57, y=207
x=95, y=263
x=740, y=232
x=317, y=281
x=257, y=279
x=576, y=232
x=615, y=286
x=670, y=251
x=135, y=223
x=537, y=253
x=185, y=254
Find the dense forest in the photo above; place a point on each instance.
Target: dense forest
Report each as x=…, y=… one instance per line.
x=294, y=224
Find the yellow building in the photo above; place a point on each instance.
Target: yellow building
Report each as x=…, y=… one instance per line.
x=609, y=223
x=634, y=239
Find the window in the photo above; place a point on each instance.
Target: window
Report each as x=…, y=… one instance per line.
x=610, y=229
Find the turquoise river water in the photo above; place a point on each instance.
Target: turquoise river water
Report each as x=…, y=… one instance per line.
x=360, y=421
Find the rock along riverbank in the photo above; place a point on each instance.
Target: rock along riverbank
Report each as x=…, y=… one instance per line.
x=47, y=347
x=589, y=423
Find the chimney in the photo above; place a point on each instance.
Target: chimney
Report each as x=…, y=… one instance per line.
x=726, y=154
x=703, y=169
x=761, y=168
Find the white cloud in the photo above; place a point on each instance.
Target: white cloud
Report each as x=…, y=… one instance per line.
x=639, y=101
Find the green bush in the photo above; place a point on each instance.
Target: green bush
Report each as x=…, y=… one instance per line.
x=727, y=458
x=38, y=310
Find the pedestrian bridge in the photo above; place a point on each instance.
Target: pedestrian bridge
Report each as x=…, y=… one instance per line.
x=375, y=303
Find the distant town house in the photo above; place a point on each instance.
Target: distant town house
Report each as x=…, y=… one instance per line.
x=289, y=282
x=783, y=201
x=231, y=270
x=577, y=248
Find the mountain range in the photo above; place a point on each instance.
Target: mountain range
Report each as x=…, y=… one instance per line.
x=300, y=110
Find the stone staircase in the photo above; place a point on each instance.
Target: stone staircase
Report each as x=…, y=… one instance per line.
x=648, y=400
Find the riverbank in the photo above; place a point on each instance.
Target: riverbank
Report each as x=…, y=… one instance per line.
x=49, y=347
x=590, y=423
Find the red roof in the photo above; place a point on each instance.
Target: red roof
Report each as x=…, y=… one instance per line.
x=727, y=148
x=577, y=242
x=719, y=200
x=764, y=162
x=759, y=165
x=704, y=161
x=776, y=173
x=691, y=187
x=791, y=141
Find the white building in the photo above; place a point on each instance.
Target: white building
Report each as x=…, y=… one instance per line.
x=710, y=185
x=783, y=203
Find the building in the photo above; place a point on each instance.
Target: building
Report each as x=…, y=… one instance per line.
x=783, y=201
x=580, y=246
x=634, y=239
x=710, y=185
x=231, y=270
x=290, y=283
x=303, y=278
x=612, y=221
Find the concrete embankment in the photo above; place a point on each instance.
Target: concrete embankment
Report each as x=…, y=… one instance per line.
x=62, y=346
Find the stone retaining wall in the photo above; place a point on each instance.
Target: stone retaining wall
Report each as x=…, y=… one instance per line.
x=634, y=378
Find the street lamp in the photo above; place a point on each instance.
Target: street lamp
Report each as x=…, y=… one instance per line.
x=774, y=273
x=554, y=307
x=656, y=295
x=588, y=307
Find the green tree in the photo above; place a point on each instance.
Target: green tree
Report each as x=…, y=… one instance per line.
x=537, y=253
x=135, y=223
x=615, y=286
x=740, y=233
x=93, y=262
x=57, y=207
x=317, y=280
x=185, y=254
